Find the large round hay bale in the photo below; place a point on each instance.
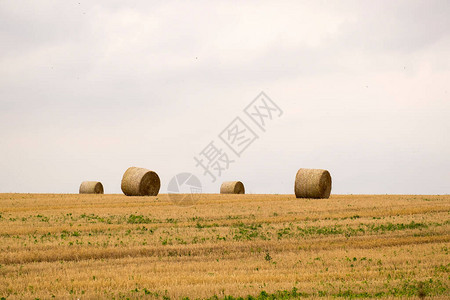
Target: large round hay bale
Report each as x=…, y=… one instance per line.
x=232, y=187
x=91, y=187
x=312, y=183
x=140, y=182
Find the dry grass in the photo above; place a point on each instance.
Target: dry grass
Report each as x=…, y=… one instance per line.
x=105, y=246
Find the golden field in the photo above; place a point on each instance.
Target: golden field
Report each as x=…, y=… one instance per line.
x=224, y=246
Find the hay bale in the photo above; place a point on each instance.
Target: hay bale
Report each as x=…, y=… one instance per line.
x=91, y=187
x=140, y=182
x=312, y=183
x=232, y=187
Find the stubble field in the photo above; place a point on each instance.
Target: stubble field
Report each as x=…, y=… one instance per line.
x=266, y=246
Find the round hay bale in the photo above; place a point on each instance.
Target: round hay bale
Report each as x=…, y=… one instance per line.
x=232, y=187
x=312, y=183
x=140, y=182
x=91, y=187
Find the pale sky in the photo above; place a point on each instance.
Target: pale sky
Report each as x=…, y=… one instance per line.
x=89, y=89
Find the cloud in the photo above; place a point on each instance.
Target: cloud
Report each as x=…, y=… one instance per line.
x=90, y=89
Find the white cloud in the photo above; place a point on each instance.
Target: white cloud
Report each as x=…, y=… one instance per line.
x=90, y=89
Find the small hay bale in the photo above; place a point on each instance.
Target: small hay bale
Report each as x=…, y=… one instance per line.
x=312, y=183
x=140, y=182
x=91, y=187
x=232, y=187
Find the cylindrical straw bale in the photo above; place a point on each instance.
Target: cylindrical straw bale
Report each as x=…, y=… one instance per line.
x=232, y=187
x=140, y=182
x=91, y=187
x=312, y=183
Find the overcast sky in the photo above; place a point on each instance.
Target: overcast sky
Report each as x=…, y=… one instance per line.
x=88, y=89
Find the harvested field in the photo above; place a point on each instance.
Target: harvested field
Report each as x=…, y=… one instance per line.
x=105, y=246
